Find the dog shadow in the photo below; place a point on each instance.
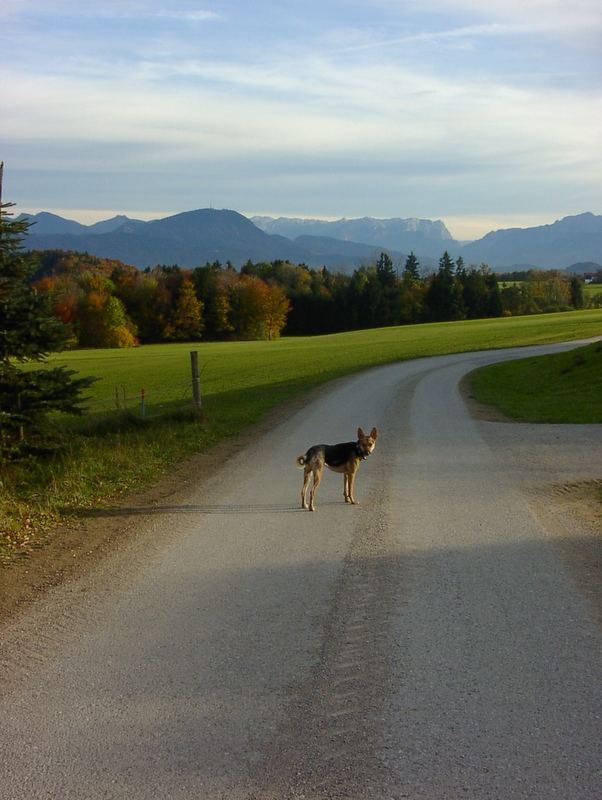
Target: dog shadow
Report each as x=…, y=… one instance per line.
x=209, y=509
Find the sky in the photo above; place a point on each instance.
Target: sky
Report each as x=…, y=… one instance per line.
x=486, y=114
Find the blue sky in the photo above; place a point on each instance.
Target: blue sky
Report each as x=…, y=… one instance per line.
x=484, y=113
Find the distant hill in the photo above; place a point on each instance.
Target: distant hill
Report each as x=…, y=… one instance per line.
x=46, y=224
x=584, y=268
x=194, y=237
x=338, y=253
x=52, y=224
x=188, y=239
x=571, y=239
x=422, y=236
x=119, y=222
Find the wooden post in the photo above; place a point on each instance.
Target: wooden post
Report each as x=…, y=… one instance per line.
x=196, y=380
x=142, y=403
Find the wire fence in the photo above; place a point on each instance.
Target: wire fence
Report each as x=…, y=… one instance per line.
x=146, y=402
x=156, y=399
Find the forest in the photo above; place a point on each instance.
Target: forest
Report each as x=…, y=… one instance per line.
x=106, y=303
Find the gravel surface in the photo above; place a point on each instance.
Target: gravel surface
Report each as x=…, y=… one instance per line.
x=435, y=641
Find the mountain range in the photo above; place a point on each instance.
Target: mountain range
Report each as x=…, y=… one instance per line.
x=424, y=236
x=195, y=237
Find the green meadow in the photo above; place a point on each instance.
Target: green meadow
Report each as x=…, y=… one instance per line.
x=113, y=449
x=592, y=289
x=563, y=387
x=265, y=373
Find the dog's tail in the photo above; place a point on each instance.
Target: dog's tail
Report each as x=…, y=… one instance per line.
x=300, y=461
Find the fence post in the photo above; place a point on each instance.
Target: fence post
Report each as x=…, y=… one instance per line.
x=142, y=403
x=196, y=380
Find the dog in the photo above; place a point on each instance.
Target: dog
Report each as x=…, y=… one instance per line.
x=345, y=457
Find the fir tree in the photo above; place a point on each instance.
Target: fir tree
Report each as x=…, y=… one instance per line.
x=28, y=332
x=385, y=270
x=411, y=270
x=577, y=297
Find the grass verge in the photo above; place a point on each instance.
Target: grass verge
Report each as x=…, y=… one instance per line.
x=111, y=453
x=559, y=388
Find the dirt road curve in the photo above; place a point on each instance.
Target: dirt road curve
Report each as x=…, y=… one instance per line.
x=432, y=643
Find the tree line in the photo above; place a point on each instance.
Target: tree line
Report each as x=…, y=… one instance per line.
x=106, y=303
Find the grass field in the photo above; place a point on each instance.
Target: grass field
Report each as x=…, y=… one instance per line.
x=564, y=387
x=288, y=366
x=591, y=289
x=110, y=453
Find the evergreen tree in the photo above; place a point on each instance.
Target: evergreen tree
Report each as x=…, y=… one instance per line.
x=460, y=269
x=411, y=270
x=28, y=332
x=442, y=297
x=385, y=270
x=411, y=305
x=495, y=307
x=577, y=298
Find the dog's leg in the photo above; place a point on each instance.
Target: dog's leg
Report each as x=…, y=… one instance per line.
x=351, y=485
x=314, y=487
x=306, y=476
x=346, y=487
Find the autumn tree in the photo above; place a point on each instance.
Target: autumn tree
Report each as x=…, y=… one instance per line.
x=276, y=307
x=147, y=302
x=258, y=309
x=549, y=289
x=186, y=323
x=102, y=318
x=212, y=285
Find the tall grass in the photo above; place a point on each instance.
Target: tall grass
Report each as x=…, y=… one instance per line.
x=110, y=452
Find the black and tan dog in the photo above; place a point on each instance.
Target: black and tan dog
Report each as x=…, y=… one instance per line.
x=345, y=457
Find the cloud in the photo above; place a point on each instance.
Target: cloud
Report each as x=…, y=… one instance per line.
x=557, y=15
x=376, y=109
x=110, y=9
x=434, y=37
x=326, y=111
x=189, y=16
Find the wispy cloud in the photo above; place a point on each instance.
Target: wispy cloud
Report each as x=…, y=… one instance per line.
x=579, y=15
x=189, y=16
x=434, y=37
x=463, y=105
x=110, y=9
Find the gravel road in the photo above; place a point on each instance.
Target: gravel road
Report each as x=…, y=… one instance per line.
x=429, y=643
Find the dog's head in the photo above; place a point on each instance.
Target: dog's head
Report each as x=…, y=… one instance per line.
x=366, y=443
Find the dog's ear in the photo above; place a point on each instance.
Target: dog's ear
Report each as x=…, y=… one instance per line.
x=373, y=433
x=360, y=434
